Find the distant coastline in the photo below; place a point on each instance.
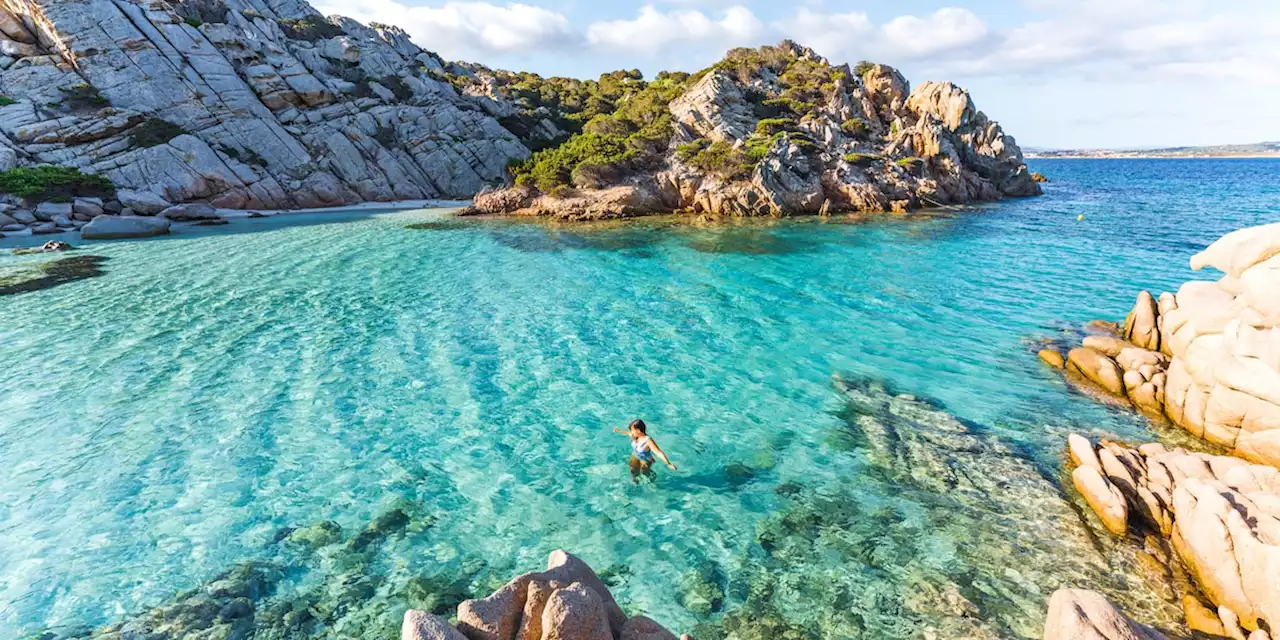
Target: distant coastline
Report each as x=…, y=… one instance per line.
x=1259, y=150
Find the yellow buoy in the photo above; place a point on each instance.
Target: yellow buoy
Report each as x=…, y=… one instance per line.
x=1080, y=217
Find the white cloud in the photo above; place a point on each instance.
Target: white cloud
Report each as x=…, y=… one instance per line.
x=853, y=36
x=462, y=29
x=653, y=31
x=948, y=29
x=1125, y=40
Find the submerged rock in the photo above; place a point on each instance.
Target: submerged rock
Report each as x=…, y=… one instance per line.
x=51, y=246
x=950, y=533
x=51, y=274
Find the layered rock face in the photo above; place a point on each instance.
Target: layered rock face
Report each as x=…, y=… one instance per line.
x=238, y=103
x=1208, y=357
x=780, y=131
x=1221, y=515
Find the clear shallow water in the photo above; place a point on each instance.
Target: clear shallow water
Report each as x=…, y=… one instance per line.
x=163, y=421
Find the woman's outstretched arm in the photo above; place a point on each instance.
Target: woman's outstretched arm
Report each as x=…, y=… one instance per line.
x=653, y=446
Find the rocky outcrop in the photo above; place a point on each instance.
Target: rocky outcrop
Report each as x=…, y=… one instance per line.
x=1076, y=614
x=237, y=103
x=780, y=131
x=565, y=602
x=1220, y=514
x=1207, y=357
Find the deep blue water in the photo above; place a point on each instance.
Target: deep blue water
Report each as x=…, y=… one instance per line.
x=161, y=422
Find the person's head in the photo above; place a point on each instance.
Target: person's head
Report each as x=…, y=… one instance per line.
x=637, y=428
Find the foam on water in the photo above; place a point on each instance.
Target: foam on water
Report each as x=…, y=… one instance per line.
x=161, y=422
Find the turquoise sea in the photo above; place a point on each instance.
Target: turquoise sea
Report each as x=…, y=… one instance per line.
x=174, y=415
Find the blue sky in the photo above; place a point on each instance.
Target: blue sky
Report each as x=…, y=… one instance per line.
x=1055, y=73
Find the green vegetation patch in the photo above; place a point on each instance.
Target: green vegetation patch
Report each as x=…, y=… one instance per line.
x=310, y=29
x=155, y=132
x=861, y=159
x=6, y=101
x=855, y=127
x=612, y=144
x=723, y=160
x=54, y=183
x=909, y=162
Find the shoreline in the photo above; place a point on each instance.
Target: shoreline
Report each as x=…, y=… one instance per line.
x=1155, y=157
x=232, y=216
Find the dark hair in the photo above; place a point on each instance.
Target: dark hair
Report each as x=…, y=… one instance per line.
x=638, y=425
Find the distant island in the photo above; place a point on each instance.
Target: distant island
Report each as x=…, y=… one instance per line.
x=1257, y=150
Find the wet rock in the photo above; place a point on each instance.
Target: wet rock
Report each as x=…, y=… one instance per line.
x=1053, y=358
x=45, y=228
x=1109, y=346
x=51, y=246
x=320, y=534
x=1097, y=368
x=23, y=216
x=113, y=227
x=1075, y=614
x=701, y=592
x=388, y=523
x=1103, y=497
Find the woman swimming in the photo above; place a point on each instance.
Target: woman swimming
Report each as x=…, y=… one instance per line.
x=643, y=449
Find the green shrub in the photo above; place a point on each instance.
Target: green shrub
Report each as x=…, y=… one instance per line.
x=6, y=101
x=48, y=182
x=757, y=147
x=860, y=159
x=610, y=146
x=770, y=126
x=855, y=127
x=721, y=159
x=911, y=164
x=862, y=68
x=194, y=22
x=155, y=132
x=310, y=28
x=686, y=152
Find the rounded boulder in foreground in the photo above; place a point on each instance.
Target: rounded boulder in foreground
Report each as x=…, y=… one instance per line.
x=115, y=227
